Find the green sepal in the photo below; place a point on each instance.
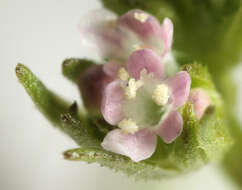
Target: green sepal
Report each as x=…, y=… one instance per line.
x=73, y=67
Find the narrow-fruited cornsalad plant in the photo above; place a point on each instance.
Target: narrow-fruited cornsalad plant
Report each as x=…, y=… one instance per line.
x=143, y=113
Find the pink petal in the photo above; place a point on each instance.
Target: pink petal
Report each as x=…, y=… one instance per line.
x=112, y=103
x=98, y=29
x=150, y=28
x=171, y=127
x=145, y=59
x=167, y=34
x=179, y=86
x=138, y=146
x=111, y=69
x=91, y=85
x=200, y=100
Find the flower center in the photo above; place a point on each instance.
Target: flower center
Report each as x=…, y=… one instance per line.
x=131, y=86
x=146, y=101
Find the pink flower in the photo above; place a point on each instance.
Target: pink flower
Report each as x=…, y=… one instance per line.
x=116, y=38
x=93, y=81
x=132, y=89
x=200, y=100
x=142, y=103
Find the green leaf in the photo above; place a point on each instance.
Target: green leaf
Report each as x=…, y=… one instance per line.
x=140, y=170
x=61, y=113
x=50, y=104
x=73, y=67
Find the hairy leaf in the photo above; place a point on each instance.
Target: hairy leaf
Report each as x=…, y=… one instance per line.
x=141, y=170
x=50, y=104
x=61, y=113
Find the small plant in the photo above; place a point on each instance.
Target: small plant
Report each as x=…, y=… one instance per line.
x=158, y=105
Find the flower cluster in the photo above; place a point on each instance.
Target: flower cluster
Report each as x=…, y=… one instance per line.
x=131, y=90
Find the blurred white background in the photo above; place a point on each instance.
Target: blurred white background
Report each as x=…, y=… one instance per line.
x=41, y=34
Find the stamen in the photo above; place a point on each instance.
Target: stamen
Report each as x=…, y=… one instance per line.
x=161, y=94
x=137, y=47
x=142, y=17
x=128, y=126
x=130, y=90
x=144, y=75
x=123, y=74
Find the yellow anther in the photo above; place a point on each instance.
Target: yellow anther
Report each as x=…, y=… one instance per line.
x=142, y=17
x=128, y=126
x=137, y=47
x=123, y=74
x=130, y=90
x=161, y=94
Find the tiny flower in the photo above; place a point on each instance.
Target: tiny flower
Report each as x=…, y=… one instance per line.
x=118, y=37
x=142, y=103
x=92, y=83
x=200, y=100
x=132, y=89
